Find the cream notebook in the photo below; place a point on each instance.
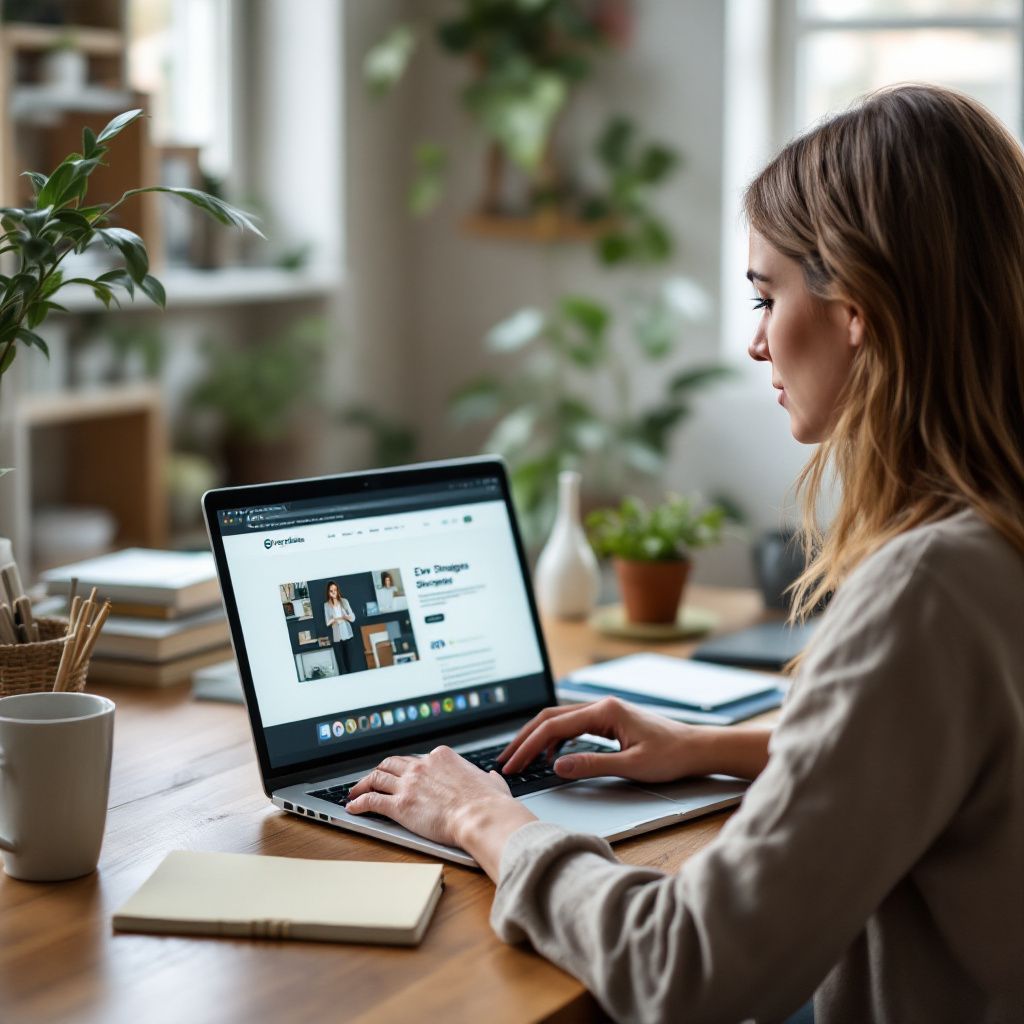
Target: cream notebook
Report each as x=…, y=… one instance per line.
x=243, y=895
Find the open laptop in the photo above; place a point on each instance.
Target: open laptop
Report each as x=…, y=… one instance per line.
x=444, y=645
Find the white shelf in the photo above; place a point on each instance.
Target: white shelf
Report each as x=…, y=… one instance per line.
x=194, y=289
x=43, y=102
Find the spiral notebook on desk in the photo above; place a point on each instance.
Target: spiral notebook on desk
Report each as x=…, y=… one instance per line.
x=678, y=688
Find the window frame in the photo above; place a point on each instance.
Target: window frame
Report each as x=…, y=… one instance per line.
x=792, y=24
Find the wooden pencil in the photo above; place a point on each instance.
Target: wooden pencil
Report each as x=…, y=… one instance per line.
x=66, y=660
x=85, y=651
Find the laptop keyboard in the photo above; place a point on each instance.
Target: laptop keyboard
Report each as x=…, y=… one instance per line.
x=538, y=775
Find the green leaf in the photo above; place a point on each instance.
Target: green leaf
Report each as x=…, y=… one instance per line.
x=119, y=277
x=387, y=61
x=590, y=316
x=223, y=212
x=428, y=182
x=614, y=141
x=154, y=290
x=654, y=240
x=57, y=184
x=519, y=113
x=516, y=331
x=656, y=163
x=31, y=338
x=38, y=180
x=38, y=251
x=118, y=125
x=614, y=248
x=132, y=248
x=89, y=142
x=8, y=358
x=695, y=379
x=36, y=220
x=481, y=399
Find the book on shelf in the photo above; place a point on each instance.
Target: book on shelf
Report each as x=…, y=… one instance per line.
x=162, y=640
x=176, y=581
x=154, y=673
x=249, y=896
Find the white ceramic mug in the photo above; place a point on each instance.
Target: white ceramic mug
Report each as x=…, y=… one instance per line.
x=55, y=751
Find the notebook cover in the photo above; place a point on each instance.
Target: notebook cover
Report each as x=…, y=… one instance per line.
x=249, y=896
x=676, y=681
x=730, y=714
x=770, y=645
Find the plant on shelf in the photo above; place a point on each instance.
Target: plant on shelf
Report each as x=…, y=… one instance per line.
x=632, y=230
x=572, y=404
x=526, y=59
x=38, y=239
x=650, y=549
x=256, y=393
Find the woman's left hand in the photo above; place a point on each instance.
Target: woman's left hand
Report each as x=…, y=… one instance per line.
x=443, y=797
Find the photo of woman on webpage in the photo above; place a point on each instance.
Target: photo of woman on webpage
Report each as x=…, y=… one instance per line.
x=339, y=617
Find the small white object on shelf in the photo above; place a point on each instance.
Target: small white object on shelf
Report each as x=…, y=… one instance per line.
x=567, y=580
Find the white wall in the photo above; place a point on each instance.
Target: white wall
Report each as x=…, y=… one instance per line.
x=670, y=79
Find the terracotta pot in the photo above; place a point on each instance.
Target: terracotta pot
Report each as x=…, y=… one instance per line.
x=651, y=591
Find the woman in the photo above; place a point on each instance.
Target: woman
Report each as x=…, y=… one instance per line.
x=877, y=858
x=339, y=617
x=386, y=593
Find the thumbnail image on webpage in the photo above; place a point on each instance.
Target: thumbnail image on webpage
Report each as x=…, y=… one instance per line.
x=345, y=624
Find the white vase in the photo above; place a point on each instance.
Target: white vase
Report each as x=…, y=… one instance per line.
x=567, y=579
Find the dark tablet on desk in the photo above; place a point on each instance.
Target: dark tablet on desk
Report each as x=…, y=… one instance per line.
x=768, y=646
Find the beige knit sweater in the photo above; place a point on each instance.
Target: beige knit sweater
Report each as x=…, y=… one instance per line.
x=878, y=861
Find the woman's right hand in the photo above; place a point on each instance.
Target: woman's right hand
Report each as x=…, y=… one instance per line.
x=651, y=748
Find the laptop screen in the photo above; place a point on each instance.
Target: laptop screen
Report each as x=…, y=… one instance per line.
x=376, y=617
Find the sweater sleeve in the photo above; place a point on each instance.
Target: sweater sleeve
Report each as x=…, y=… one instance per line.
x=877, y=746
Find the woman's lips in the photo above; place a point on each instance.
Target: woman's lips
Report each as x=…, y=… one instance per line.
x=782, y=393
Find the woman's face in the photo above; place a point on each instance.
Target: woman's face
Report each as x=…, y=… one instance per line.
x=809, y=342
x=333, y=594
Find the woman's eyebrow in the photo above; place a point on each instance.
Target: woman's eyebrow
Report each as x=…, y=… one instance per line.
x=753, y=275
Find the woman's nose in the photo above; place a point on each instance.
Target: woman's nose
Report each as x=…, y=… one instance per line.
x=758, y=347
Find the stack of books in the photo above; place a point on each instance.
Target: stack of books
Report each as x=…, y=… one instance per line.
x=166, y=621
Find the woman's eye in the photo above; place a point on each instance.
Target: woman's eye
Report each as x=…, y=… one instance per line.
x=760, y=303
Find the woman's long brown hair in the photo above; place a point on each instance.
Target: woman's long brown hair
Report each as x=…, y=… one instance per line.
x=909, y=207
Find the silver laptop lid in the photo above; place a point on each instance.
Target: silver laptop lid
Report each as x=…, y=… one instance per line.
x=370, y=611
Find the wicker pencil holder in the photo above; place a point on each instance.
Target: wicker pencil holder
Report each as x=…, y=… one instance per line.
x=32, y=668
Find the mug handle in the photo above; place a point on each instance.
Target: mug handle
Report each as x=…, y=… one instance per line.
x=6, y=844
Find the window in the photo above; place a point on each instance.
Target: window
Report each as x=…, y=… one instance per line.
x=833, y=51
x=180, y=55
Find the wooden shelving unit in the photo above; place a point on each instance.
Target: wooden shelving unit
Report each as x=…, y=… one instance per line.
x=104, y=448
x=41, y=122
x=547, y=226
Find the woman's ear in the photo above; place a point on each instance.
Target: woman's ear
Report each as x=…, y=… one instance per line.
x=855, y=326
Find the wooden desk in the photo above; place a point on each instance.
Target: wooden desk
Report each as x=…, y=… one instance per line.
x=185, y=776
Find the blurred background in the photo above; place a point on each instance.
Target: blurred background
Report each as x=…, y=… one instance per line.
x=492, y=225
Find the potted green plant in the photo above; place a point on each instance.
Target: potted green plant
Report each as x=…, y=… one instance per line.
x=257, y=393
x=37, y=239
x=650, y=549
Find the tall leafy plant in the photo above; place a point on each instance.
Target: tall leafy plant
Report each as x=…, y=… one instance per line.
x=38, y=238
x=573, y=401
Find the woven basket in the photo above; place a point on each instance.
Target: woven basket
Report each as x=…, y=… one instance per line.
x=32, y=668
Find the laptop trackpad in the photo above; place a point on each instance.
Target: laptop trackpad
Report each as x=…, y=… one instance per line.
x=604, y=807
